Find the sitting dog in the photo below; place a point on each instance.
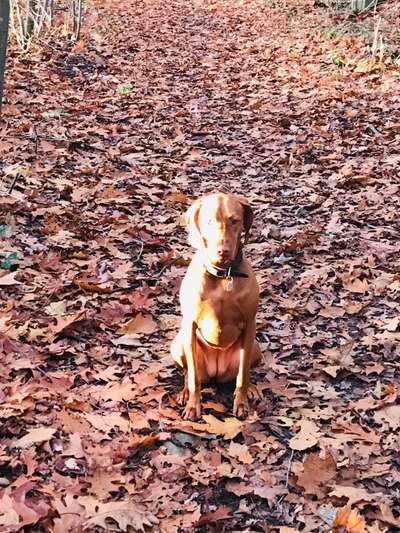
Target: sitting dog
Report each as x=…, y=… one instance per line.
x=219, y=298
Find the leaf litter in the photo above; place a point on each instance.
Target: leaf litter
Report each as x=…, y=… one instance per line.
x=108, y=140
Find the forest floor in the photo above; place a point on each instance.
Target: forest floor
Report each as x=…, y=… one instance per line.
x=104, y=143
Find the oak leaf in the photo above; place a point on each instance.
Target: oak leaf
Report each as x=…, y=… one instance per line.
x=126, y=515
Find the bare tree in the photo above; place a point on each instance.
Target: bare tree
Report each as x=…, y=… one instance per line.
x=29, y=18
x=4, y=18
x=76, y=9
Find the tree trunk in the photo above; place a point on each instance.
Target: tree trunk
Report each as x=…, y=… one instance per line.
x=4, y=18
x=30, y=18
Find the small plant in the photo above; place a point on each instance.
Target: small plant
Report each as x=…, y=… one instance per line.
x=336, y=59
x=125, y=88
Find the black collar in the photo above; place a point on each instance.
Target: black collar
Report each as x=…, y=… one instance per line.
x=230, y=271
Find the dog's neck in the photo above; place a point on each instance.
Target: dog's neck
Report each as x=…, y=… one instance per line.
x=230, y=271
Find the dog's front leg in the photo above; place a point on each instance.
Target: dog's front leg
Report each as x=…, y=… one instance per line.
x=192, y=409
x=241, y=401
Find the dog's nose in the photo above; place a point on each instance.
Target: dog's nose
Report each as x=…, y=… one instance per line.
x=223, y=252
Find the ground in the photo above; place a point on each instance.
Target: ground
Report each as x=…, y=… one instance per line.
x=104, y=143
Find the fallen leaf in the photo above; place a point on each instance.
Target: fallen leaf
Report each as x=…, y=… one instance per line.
x=317, y=472
x=56, y=308
x=65, y=322
x=354, y=494
x=307, y=436
x=35, y=436
x=139, y=325
x=8, y=279
x=348, y=521
x=125, y=514
x=388, y=416
x=241, y=452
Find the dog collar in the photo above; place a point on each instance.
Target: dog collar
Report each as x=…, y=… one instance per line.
x=229, y=272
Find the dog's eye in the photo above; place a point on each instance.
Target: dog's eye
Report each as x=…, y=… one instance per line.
x=233, y=221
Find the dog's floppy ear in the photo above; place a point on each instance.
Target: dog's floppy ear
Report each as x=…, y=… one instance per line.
x=191, y=218
x=248, y=217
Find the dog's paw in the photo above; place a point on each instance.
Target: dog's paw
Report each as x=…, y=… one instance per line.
x=253, y=393
x=192, y=409
x=240, y=404
x=183, y=396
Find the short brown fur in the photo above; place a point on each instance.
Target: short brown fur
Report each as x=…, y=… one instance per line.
x=217, y=334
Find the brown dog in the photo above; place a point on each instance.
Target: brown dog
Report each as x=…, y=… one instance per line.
x=219, y=299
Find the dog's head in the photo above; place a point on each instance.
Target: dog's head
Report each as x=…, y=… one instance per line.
x=216, y=223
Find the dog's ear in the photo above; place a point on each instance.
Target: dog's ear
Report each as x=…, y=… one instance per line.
x=248, y=217
x=191, y=218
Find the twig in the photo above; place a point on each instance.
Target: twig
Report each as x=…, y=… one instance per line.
x=141, y=249
x=289, y=469
x=36, y=139
x=14, y=181
x=374, y=46
x=164, y=268
x=368, y=7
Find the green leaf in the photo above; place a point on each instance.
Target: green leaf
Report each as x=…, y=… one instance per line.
x=9, y=260
x=125, y=88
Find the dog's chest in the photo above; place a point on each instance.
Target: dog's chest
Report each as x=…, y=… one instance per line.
x=220, y=318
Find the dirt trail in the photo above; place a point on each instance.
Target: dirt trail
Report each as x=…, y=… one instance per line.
x=109, y=140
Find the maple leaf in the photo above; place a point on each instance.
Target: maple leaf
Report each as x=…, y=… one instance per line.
x=348, y=521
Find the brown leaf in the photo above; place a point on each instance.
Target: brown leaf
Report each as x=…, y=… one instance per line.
x=126, y=514
x=139, y=325
x=177, y=198
x=348, y=521
x=354, y=494
x=222, y=513
x=92, y=287
x=388, y=416
x=66, y=322
x=241, y=452
x=307, y=437
x=35, y=436
x=357, y=286
x=108, y=421
x=317, y=472
x=8, y=279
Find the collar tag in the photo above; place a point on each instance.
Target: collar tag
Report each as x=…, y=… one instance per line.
x=229, y=280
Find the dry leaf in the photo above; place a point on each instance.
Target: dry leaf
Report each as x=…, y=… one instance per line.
x=8, y=279
x=139, y=325
x=307, y=436
x=317, y=472
x=241, y=452
x=348, y=521
x=35, y=436
x=126, y=514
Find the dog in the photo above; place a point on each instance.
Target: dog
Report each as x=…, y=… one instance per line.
x=219, y=297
